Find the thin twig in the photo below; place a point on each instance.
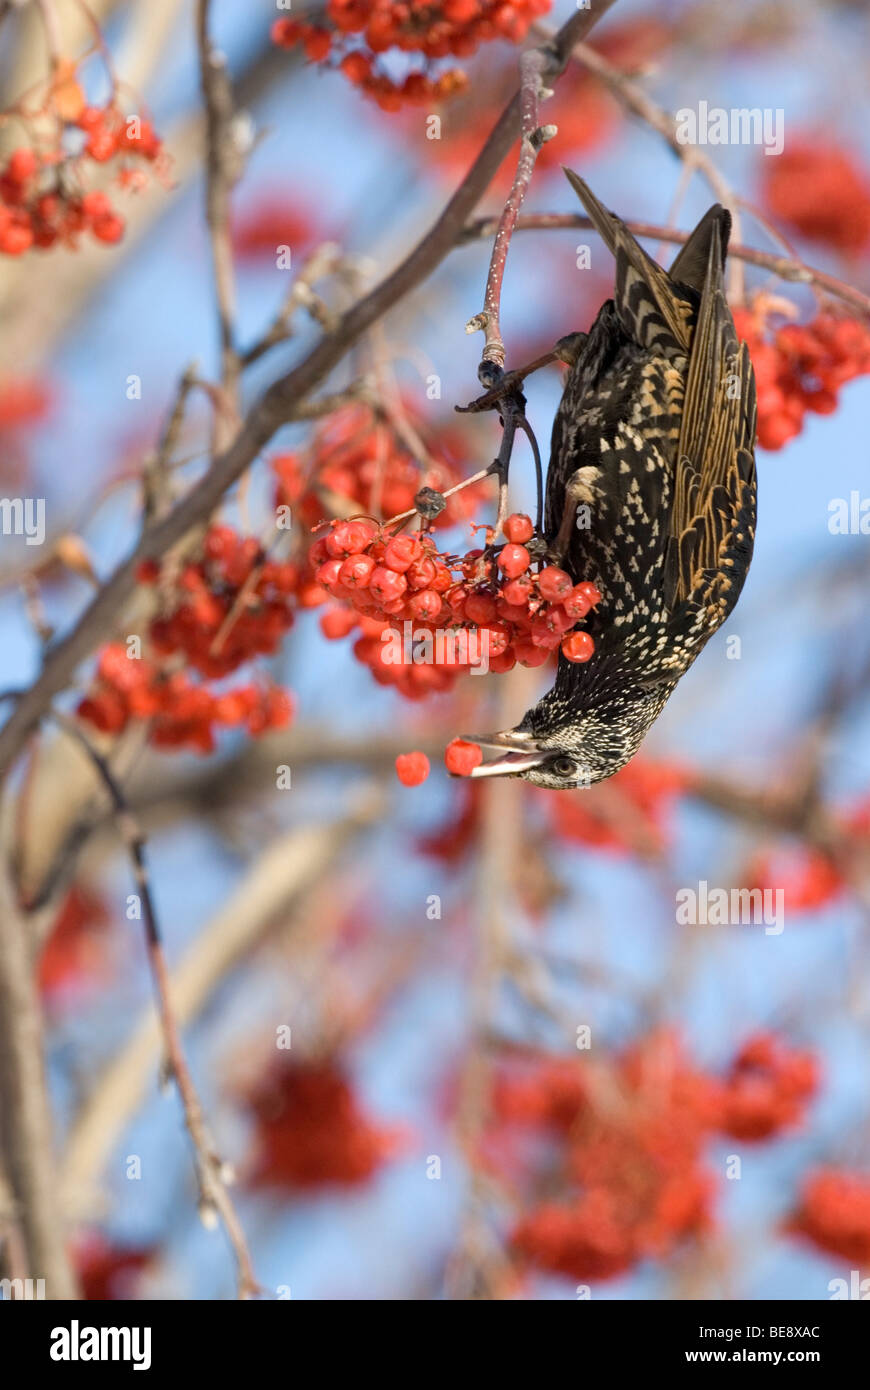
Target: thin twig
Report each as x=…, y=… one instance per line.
x=783, y=266
x=155, y=474
x=633, y=97
x=533, y=65
x=223, y=167
x=326, y=260
x=215, y=1200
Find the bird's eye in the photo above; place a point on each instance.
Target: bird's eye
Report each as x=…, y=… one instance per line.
x=564, y=767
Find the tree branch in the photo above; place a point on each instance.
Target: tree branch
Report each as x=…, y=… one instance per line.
x=26, y=1135
x=785, y=267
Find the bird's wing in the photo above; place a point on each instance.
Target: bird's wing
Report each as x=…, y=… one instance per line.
x=715, y=464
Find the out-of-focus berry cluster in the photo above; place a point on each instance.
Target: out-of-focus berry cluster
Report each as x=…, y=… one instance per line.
x=799, y=367
x=229, y=608
x=45, y=197
x=610, y=1157
x=352, y=34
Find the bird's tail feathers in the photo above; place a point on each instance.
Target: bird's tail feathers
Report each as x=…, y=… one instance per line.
x=650, y=310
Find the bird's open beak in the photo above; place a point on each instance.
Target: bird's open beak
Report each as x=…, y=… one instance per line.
x=514, y=752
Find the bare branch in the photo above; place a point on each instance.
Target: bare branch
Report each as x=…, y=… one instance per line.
x=785, y=267
x=26, y=1134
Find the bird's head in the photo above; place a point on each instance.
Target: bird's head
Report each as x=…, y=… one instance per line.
x=561, y=747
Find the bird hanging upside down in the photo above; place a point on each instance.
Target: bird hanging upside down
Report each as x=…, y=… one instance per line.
x=653, y=446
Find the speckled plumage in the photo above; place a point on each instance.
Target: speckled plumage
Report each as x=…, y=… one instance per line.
x=652, y=446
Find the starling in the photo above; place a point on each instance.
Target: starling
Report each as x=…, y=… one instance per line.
x=650, y=494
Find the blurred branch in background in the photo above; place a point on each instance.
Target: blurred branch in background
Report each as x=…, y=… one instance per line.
x=284, y=873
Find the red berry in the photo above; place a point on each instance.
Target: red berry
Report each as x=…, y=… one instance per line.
x=577, y=646
x=412, y=769
x=109, y=228
x=576, y=604
x=590, y=592
x=554, y=584
x=317, y=44
x=386, y=585
x=356, y=66
x=422, y=573
x=518, y=528
x=22, y=165
x=502, y=662
x=519, y=590
x=15, y=238
x=425, y=605
x=349, y=538
x=101, y=145
x=462, y=758
x=337, y=622
x=480, y=608
x=356, y=571
x=401, y=552
x=443, y=579
x=528, y=654
x=286, y=32
x=546, y=634
x=327, y=573
x=514, y=560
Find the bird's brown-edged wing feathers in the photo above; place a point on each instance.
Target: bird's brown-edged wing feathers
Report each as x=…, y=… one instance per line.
x=648, y=308
x=715, y=468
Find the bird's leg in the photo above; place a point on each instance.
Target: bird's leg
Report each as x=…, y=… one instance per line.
x=568, y=349
x=510, y=413
x=579, y=488
x=539, y=474
x=499, y=386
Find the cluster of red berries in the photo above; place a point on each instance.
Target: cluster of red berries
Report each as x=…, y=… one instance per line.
x=623, y=1145
x=23, y=400
x=810, y=879
x=834, y=1213
x=41, y=201
x=74, y=953
x=766, y=1089
x=311, y=1129
x=182, y=714
x=357, y=464
x=434, y=28
x=271, y=222
x=800, y=367
x=819, y=192
x=231, y=606
x=621, y=1162
x=521, y=615
x=108, y=1272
